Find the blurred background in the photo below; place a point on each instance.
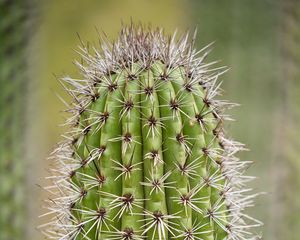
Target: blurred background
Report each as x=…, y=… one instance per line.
x=258, y=39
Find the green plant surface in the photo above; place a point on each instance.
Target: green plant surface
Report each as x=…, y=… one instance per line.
x=13, y=84
x=287, y=167
x=146, y=156
x=51, y=51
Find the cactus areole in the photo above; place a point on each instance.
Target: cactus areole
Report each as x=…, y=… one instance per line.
x=146, y=156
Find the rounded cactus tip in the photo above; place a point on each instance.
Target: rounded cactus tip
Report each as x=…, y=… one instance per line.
x=146, y=156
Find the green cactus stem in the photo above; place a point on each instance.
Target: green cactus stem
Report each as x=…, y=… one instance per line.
x=15, y=18
x=146, y=156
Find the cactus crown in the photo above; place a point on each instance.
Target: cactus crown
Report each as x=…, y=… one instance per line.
x=146, y=156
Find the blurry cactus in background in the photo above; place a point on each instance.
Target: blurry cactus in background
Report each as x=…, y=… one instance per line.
x=14, y=36
x=146, y=156
x=287, y=167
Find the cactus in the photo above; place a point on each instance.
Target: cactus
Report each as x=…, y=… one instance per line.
x=146, y=155
x=15, y=33
x=287, y=146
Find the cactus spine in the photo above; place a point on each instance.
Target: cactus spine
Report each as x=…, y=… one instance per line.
x=146, y=156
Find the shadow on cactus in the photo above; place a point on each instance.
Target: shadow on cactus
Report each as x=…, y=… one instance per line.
x=146, y=156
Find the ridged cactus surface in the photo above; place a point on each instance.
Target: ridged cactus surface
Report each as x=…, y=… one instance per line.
x=146, y=156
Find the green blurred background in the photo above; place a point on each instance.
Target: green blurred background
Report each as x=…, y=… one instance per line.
x=258, y=39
